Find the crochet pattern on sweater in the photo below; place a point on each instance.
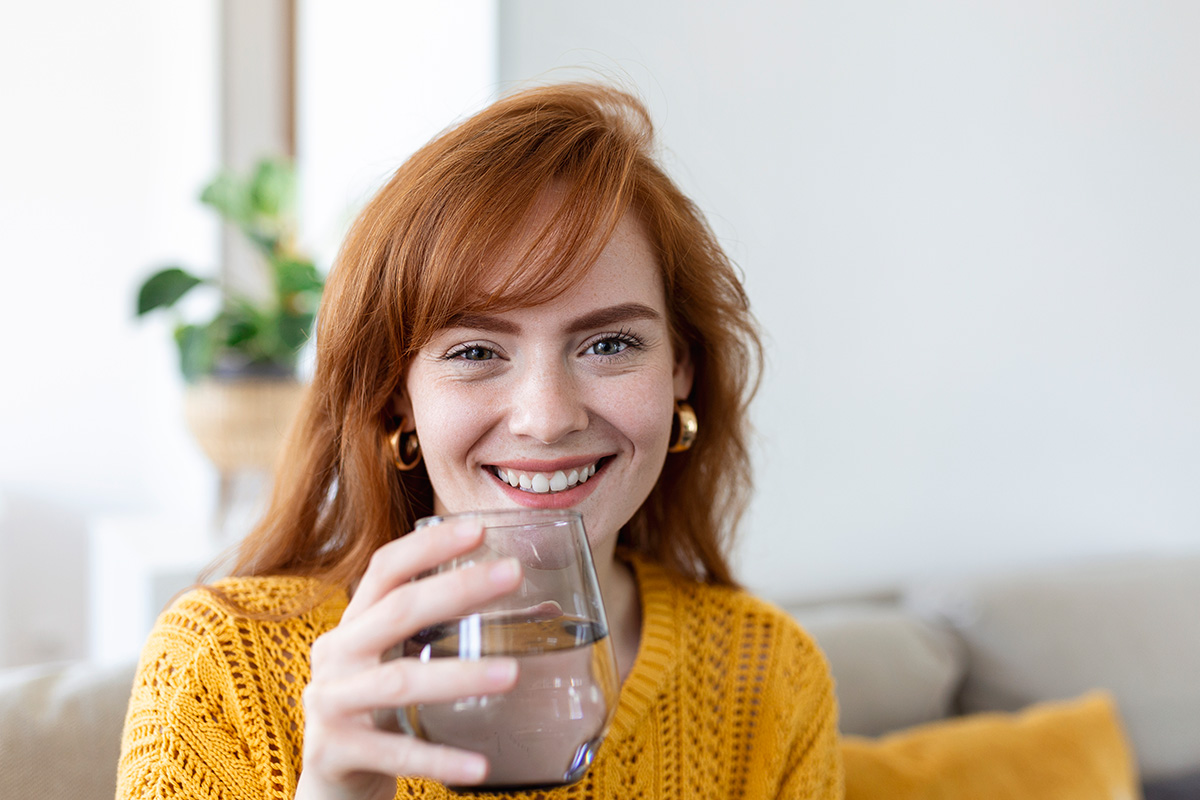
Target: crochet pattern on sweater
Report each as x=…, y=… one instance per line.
x=728, y=698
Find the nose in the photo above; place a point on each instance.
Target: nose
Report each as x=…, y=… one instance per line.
x=546, y=403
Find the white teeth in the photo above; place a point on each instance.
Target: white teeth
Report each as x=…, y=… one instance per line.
x=543, y=483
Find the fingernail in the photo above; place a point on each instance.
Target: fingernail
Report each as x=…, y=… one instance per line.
x=474, y=769
x=504, y=571
x=501, y=670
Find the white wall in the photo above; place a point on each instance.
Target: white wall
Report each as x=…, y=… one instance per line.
x=377, y=79
x=111, y=129
x=109, y=136
x=970, y=232
x=109, y=132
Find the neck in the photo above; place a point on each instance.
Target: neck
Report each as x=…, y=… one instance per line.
x=622, y=606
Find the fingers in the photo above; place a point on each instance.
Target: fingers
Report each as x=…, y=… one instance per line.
x=413, y=606
x=400, y=561
x=344, y=751
x=338, y=758
x=407, y=681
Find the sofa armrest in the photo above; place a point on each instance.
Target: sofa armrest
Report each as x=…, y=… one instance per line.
x=60, y=730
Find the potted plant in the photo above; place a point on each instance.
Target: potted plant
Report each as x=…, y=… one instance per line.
x=240, y=364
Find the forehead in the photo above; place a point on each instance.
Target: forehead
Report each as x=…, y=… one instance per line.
x=625, y=272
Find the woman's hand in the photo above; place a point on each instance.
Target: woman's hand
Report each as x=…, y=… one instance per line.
x=345, y=755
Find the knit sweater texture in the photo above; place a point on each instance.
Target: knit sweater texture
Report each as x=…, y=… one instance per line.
x=728, y=698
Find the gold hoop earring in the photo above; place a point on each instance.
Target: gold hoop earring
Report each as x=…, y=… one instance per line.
x=406, y=449
x=686, y=423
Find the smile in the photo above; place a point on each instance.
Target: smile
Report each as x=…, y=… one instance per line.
x=545, y=482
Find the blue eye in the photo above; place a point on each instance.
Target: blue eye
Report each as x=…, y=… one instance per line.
x=472, y=353
x=607, y=347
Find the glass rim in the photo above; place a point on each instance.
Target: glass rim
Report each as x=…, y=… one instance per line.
x=511, y=515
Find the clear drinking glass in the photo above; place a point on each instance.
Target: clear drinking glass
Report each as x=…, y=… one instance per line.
x=547, y=729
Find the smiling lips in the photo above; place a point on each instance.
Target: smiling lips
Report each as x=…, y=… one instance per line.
x=545, y=482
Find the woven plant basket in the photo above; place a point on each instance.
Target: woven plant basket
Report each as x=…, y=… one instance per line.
x=240, y=423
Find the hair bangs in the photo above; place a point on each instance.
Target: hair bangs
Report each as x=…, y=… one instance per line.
x=517, y=238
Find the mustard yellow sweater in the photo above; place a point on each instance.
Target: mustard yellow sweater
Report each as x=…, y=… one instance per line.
x=728, y=698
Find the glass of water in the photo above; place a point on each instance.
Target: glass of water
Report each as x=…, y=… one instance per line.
x=546, y=730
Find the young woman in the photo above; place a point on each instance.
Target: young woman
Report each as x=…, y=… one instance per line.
x=529, y=314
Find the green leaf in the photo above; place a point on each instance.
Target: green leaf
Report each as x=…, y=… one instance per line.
x=230, y=197
x=266, y=241
x=197, y=350
x=272, y=187
x=296, y=275
x=241, y=325
x=295, y=329
x=164, y=288
x=248, y=333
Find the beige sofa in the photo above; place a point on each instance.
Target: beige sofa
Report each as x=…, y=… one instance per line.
x=1008, y=640
x=936, y=649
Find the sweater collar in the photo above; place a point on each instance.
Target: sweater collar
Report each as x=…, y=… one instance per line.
x=657, y=651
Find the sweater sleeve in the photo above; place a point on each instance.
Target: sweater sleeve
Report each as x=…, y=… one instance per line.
x=183, y=734
x=814, y=763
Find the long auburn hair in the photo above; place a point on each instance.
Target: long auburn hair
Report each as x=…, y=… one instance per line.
x=417, y=256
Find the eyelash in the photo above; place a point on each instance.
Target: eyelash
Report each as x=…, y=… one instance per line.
x=457, y=353
x=625, y=337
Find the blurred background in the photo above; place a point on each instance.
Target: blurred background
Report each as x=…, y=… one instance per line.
x=969, y=230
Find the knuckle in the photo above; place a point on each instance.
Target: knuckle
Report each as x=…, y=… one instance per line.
x=439, y=759
x=394, y=680
x=316, y=750
x=416, y=759
x=319, y=651
x=312, y=698
x=400, y=606
x=463, y=577
x=378, y=560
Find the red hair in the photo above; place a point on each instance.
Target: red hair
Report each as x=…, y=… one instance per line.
x=419, y=254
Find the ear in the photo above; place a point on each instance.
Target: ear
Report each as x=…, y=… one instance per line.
x=402, y=408
x=683, y=375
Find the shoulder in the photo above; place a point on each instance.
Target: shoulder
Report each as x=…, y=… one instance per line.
x=733, y=628
x=757, y=619
x=275, y=595
x=221, y=671
x=208, y=617
x=705, y=611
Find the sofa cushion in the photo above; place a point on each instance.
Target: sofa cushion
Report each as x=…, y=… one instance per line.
x=1057, y=751
x=891, y=668
x=60, y=731
x=1180, y=787
x=1130, y=626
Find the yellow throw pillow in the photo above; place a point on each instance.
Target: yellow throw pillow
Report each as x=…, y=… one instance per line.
x=1051, y=751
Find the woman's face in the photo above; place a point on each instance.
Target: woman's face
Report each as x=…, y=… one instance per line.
x=563, y=405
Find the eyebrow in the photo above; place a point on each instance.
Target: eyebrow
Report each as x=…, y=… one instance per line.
x=601, y=317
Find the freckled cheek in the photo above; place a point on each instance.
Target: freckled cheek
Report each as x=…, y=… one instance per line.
x=450, y=423
x=641, y=418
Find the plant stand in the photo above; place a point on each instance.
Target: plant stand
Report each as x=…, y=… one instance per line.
x=241, y=425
